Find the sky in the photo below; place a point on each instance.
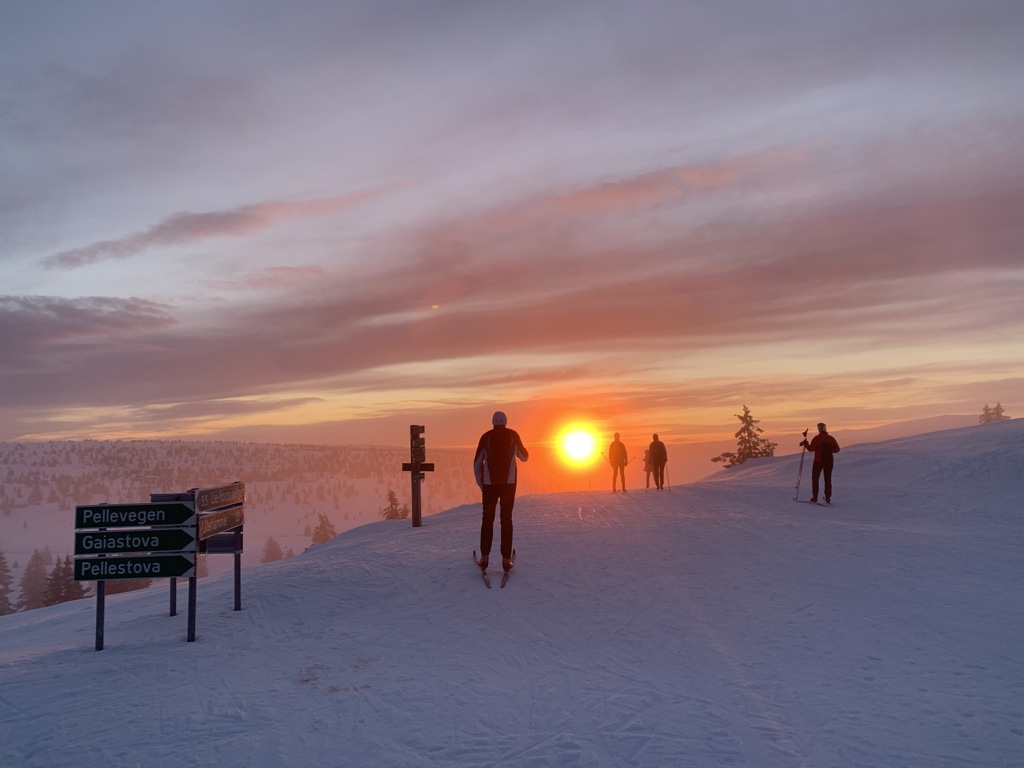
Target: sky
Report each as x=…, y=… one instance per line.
x=325, y=221
x=883, y=631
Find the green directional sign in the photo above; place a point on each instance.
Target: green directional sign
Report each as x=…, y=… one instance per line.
x=216, y=522
x=133, y=515
x=154, y=540
x=135, y=567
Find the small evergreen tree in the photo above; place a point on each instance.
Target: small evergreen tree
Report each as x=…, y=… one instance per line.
x=392, y=511
x=992, y=415
x=33, y=584
x=61, y=585
x=749, y=443
x=6, y=584
x=324, y=530
x=271, y=551
x=74, y=590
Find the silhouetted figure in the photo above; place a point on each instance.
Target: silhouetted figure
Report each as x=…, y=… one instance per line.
x=823, y=445
x=618, y=459
x=647, y=469
x=657, y=454
x=495, y=469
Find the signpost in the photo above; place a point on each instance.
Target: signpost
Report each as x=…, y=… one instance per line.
x=136, y=567
x=216, y=498
x=417, y=465
x=153, y=540
x=218, y=522
x=134, y=515
x=158, y=539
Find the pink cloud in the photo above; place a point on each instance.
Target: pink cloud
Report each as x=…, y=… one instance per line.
x=672, y=184
x=186, y=228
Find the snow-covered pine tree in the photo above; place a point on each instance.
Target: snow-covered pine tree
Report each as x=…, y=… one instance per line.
x=271, y=551
x=33, y=583
x=992, y=415
x=6, y=584
x=749, y=443
x=324, y=531
x=392, y=511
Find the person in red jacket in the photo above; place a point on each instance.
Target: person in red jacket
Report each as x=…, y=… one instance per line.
x=495, y=469
x=824, y=446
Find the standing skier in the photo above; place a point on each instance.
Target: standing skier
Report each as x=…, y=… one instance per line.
x=658, y=455
x=617, y=458
x=823, y=445
x=647, y=468
x=495, y=469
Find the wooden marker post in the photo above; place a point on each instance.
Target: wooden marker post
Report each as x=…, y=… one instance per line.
x=417, y=465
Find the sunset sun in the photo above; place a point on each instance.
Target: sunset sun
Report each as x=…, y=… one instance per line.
x=578, y=446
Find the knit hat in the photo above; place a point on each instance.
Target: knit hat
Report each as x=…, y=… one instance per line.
x=499, y=419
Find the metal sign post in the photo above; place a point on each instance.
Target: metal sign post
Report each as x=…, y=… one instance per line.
x=158, y=540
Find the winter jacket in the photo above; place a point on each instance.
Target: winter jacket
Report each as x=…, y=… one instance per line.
x=496, y=454
x=617, y=454
x=658, y=453
x=823, y=445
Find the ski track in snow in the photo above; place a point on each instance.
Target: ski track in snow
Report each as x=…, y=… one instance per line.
x=718, y=624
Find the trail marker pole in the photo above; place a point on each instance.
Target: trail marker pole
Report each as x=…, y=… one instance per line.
x=417, y=465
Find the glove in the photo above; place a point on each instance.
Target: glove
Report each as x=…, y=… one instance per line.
x=803, y=442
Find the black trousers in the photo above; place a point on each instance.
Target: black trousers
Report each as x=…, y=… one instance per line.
x=493, y=494
x=817, y=469
x=659, y=475
x=619, y=470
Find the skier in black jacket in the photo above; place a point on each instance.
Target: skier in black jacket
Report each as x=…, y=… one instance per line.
x=658, y=455
x=495, y=469
x=618, y=459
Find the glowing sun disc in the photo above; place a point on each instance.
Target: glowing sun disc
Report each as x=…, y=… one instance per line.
x=578, y=446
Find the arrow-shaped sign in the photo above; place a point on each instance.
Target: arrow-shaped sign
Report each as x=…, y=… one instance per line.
x=222, y=496
x=155, y=540
x=216, y=522
x=135, y=567
x=133, y=515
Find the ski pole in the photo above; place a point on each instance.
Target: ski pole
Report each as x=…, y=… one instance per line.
x=800, y=471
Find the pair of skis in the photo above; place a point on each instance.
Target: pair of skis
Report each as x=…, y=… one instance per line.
x=487, y=577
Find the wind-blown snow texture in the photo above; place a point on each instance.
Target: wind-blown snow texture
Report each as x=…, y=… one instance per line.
x=719, y=624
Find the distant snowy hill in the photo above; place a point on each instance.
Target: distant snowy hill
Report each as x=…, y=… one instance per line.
x=718, y=624
x=288, y=486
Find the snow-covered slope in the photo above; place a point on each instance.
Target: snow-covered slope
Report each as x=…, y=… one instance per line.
x=718, y=624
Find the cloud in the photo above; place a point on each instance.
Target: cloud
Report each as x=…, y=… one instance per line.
x=35, y=329
x=189, y=228
x=278, y=278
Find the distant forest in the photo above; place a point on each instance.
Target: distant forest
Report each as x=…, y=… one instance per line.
x=294, y=493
